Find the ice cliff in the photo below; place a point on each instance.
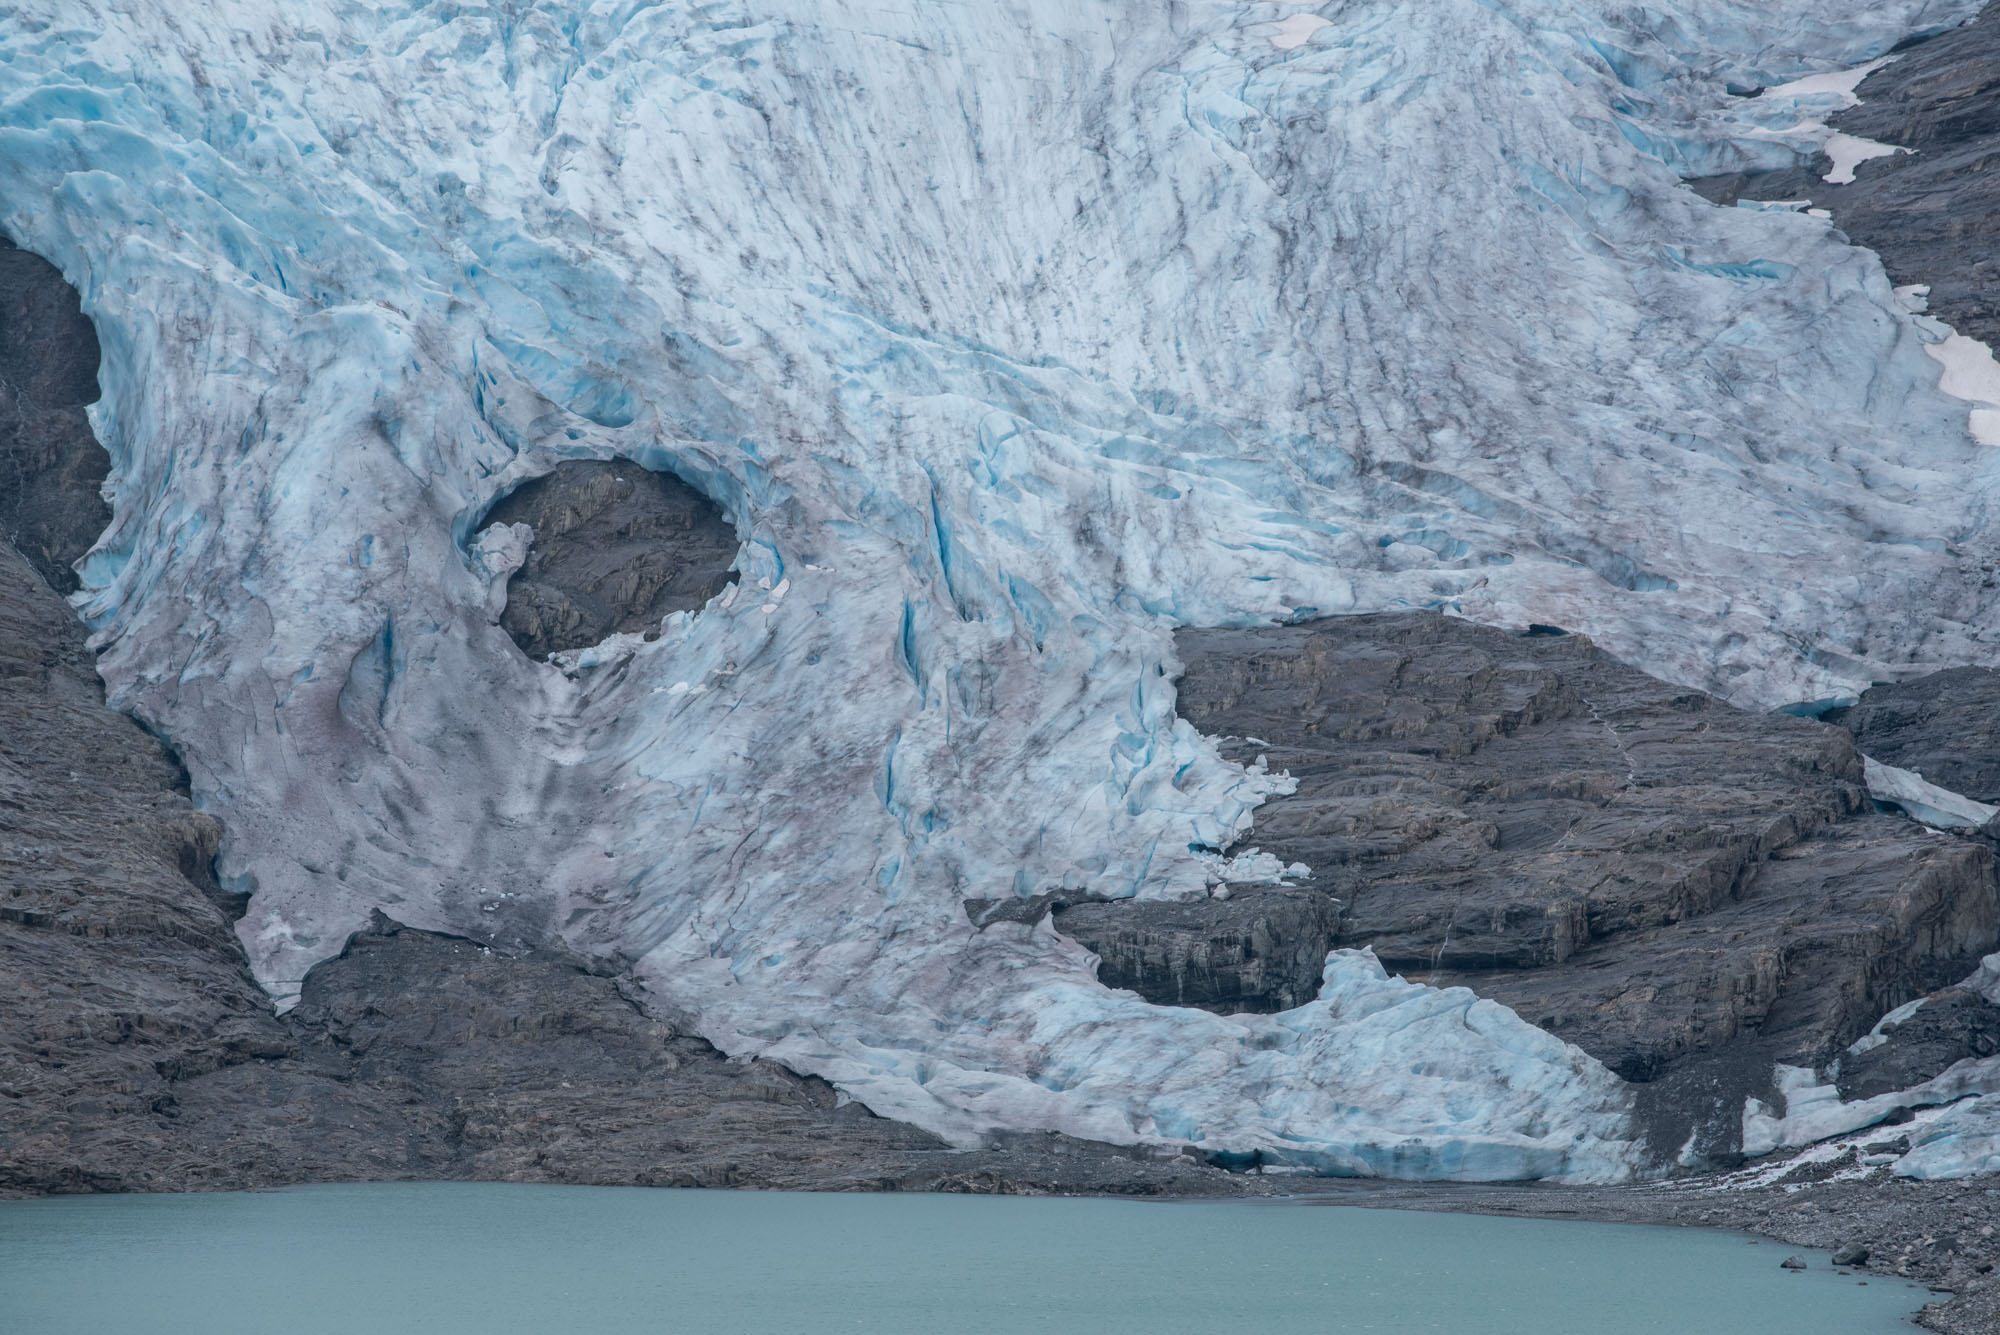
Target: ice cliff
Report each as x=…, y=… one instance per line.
x=1011, y=336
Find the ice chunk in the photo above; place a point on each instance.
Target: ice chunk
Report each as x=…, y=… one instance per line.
x=1812, y=1112
x=1925, y=801
x=1963, y=1141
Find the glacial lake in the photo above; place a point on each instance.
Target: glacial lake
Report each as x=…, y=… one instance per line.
x=478, y=1259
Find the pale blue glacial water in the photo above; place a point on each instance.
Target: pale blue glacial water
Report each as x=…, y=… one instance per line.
x=481, y=1259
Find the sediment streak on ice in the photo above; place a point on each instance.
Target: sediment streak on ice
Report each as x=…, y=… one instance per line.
x=1012, y=337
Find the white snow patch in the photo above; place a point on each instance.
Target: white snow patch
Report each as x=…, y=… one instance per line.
x=1970, y=373
x=1815, y=98
x=1836, y=83
x=1849, y=151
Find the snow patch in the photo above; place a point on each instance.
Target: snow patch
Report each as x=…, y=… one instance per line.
x=1838, y=84
x=1850, y=151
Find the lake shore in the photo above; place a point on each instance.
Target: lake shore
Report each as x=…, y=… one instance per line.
x=1938, y=1235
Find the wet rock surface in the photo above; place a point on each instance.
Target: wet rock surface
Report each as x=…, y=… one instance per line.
x=1945, y=726
x=51, y=466
x=616, y=548
x=1260, y=950
x=1688, y=891
x=1933, y=214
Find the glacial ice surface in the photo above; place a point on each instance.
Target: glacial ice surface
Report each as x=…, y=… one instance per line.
x=1011, y=336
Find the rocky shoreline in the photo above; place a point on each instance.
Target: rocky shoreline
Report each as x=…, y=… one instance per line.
x=1940, y=1238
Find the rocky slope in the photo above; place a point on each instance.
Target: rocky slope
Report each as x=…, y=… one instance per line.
x=50, y=465
x=1690, y=892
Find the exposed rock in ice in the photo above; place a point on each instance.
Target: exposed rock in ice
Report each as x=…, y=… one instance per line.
x=994, y=411
x=615, y=549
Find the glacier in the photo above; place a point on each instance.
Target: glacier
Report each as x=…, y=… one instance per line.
x=1010, y=336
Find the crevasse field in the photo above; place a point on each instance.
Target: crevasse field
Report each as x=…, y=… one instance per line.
x=1011, y=334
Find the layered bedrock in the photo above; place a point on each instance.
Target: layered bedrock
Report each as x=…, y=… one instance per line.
x=616, y=549
x=1262, y=949
x=1688, y=891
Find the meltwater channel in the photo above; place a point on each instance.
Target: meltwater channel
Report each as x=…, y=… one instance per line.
x=482, y=1259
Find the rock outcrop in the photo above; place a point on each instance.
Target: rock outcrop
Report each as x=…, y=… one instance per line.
x=1945, y=727
x=1688, y=891
x=1260, y=950
x=616, y=548
x=51, y=466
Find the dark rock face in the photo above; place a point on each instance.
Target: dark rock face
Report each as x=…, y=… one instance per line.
x=1945, y=726
x=51, y=467
x=1260, y=950
x=1949, y=1027
x=121, y=976
x=1933, y=214
x=1685, y=890
x=617, y=547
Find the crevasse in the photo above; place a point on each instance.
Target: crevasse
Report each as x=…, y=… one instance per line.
x=1011, y=336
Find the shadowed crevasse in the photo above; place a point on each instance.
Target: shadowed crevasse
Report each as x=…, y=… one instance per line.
x=616, y=549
